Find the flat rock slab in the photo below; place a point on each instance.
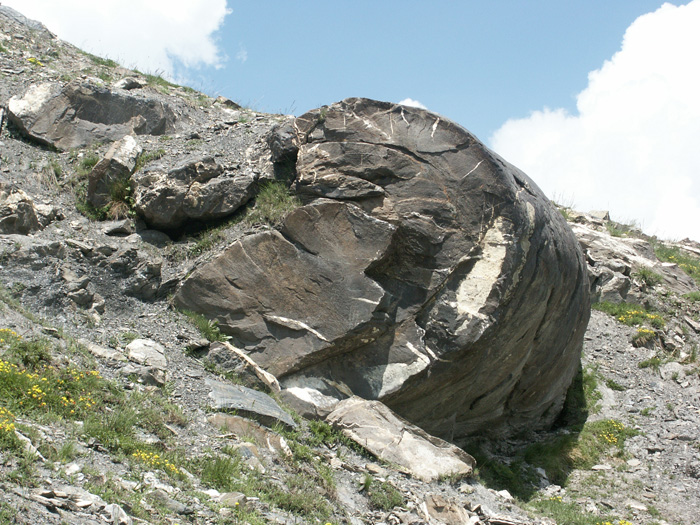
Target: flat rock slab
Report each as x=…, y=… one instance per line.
x=147, y=352
x=249, y=403
x=79, y=114
x=395, y=440
x=244, y=428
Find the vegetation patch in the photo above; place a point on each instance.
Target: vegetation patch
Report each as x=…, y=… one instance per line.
x=569, y=512
x=303, y=493
x=33, y=386
x=688, y=263
x=99, y=61
x=148, y=156
x=693, y=296
x=648, y=276
x=643, y=337
x=559, y=456
x=272, y=204
x=631, y=314
x=382, y=495
x=208, y=328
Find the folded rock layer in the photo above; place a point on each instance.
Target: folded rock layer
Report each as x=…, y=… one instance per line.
x=425, y=272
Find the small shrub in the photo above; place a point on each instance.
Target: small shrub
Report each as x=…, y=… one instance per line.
x=649, y=277
x=630, y=314
x=208, y=328
x=149, y=156
x=653, y=363
x=86, y=163
x=568, y=512
x=384, y=496
x=643, y=337
x=613, y=385
x=206, y=241
x=693, y=296
x=272, y=204
x=99, y=61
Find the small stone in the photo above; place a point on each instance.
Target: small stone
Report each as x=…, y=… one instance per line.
x=465, y=488
x=601, y=467
x=505, y=495
x=232, y=499
x=636, y=505
x=72, y=468
x=633, y=462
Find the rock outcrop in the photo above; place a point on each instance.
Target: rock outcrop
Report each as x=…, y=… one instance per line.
x=17, y=212
x=199, y=189
x=426, y=272
x=79, y=114
x=113, y=169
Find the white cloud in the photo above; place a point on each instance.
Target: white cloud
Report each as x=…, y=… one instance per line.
x=634, y=146
x=242, y=55
x=154, y=36
x=412, y=103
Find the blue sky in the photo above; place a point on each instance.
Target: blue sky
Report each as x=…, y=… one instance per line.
x=478, y=63
x=597, y=101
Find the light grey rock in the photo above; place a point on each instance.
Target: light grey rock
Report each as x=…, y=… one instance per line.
x=198, y=190
x=608, y=255
x=444, y=511
x=242, y=427
x=129, y=83
x=119, y=228
x=79, y=114
x=160, y=497
x=18, y=215
x=113, y=170
x=116, y=515
x=395, y=440
x=147, y=352
x=249, y=403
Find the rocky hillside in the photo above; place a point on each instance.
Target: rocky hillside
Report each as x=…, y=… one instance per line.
x=213, y=315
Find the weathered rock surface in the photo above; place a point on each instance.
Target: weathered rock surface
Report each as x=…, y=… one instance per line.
x=612, y=261
x=200, y=189
x=17, y=212
x=79, y=114
x=251, y=403
x=443, y=283
x=395, y=440
x=114, y=168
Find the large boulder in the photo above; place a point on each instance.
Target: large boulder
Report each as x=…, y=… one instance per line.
x=425, y=272
x=199, y=189
x=79, y=114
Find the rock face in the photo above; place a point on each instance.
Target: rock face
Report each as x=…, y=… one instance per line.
x=200, y=189
x=614, y=260
x=78, y=114
x=426, y=272
x=116, y=166
x=17, y=212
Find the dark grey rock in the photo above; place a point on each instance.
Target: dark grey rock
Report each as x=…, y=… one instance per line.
x=448, y=287
x=79, y=114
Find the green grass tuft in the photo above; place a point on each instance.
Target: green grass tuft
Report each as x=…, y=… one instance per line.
x=272, y=204
x=688, y=263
